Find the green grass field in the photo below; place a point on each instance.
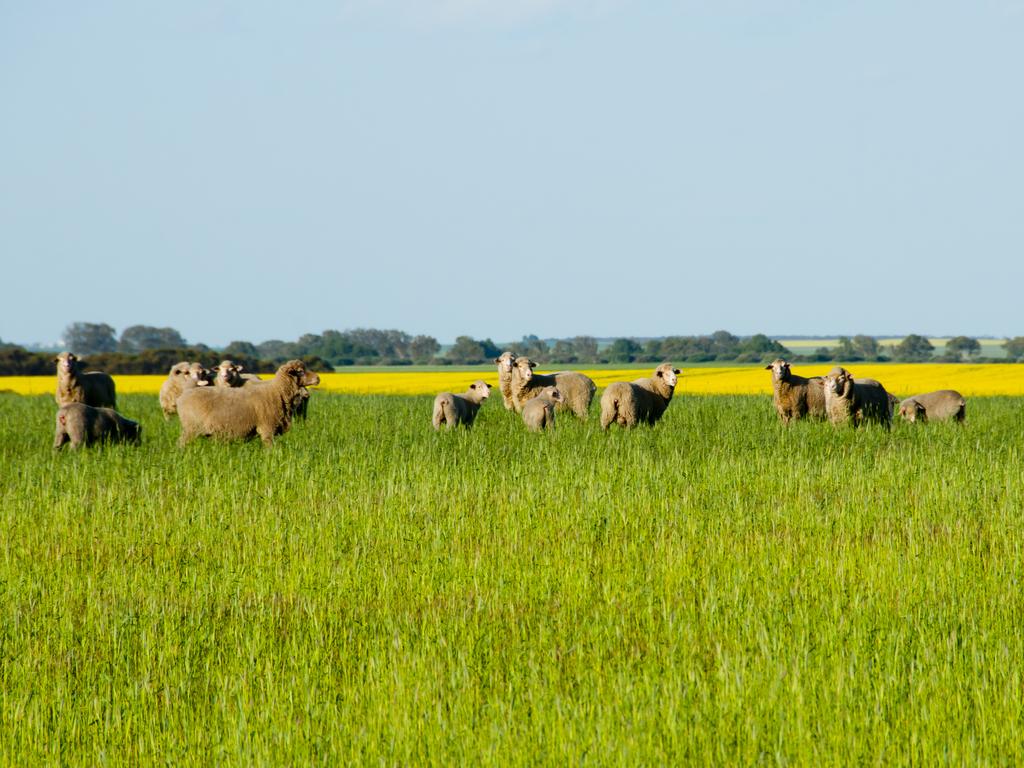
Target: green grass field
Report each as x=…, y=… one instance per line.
x=716, y=590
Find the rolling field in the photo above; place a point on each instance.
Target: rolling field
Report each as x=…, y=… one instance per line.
x=717, y=589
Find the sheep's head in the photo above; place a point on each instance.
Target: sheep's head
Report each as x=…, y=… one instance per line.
x=525, y=367
x=179, y=370
x=480, y=390
x=913, y=411
x=667, y=373
x=779, y=369
x=229, y=373
x=66, y=361
x=553, y=394
x=200, y=375
x=505, y=361
x=839, y=382
x=296, y=369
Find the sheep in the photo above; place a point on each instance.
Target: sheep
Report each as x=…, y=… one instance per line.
x=176, y=378
x=81, y=424
x=74, y=385
x=577, y=390
x=241, y=413
x=640, y=401
x=539, y=412
x=855, y=400
x=229, y=374
x=506, y=362
x=796, y=397
x=453, y=410
x=935, y=406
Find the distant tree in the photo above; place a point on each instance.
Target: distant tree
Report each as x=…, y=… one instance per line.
x=653, y=350
x=468, y=351
x=139, y=338
x=531, y=346
x=914, y=348
x=959, y=346
x=724, y=344
x=277, y=350
x=563, y=352
x=423, y=348
x=585, y=348
x=623, y=351
x=89, y=338
x=491, y=350
x=761, y=346
x=241, y=349
x=1014, y=347
x=866, y=346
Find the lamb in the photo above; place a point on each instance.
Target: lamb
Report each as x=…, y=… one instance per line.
x=229, y=374
x=81, y=424
x=796, y=397
x=74, y=385
x=171, y=389
x=506, y=362
x=539, y=412
x=241, y=413
x=453, y=410
x=642, y=401
x=855, y=400
x=577, y=390
x=935, y=406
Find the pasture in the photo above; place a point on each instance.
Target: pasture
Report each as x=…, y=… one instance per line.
x=715, y=589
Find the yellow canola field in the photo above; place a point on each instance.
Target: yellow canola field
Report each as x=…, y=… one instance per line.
x=904, y=380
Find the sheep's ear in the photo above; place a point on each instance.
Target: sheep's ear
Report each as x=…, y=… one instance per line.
x=533, y=364
x=472, y=386
x=769, y=367
x=676, y=371
x=659, y=373
x=239, y=367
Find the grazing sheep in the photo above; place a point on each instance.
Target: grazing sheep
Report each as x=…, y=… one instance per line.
x=453, y=410
x=642, y=401
x=935, y=406
x=506, y=362
x=856, y=401
x=241, y=413
x=77, y=386
x=539, y=412
x=796, y=397
x=175, y=383
x=81, y=424
x=577, y=390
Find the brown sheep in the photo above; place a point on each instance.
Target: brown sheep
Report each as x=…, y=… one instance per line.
x=856, y=401
x=539, y=412
x=642, y=401
x=81, y=424
x=935, y=406
x=796, y=397
x=454, y=410
x=577, y=390
x=175, y=383
x=74, y=385
x=242, y=413
x=506, y=362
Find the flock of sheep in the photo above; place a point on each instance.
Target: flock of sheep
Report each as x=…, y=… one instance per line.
x=221, y=402
x=226, y=403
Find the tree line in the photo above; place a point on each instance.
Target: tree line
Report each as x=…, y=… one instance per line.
x=148, y=349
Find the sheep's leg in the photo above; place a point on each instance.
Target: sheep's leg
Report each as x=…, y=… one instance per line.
x=59, y=439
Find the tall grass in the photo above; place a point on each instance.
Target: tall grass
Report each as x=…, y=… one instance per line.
x=716, y=589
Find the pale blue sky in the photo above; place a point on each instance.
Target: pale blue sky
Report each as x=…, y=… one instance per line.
x=254, y=170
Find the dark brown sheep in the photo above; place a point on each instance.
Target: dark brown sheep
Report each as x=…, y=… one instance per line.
x=454, y=410
x=856, y=401
x=577, y=390
x=242, y=413
x=81, y=424
x=74, y=385
x=642, y=401
x=935, y=406
x=796, y=397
